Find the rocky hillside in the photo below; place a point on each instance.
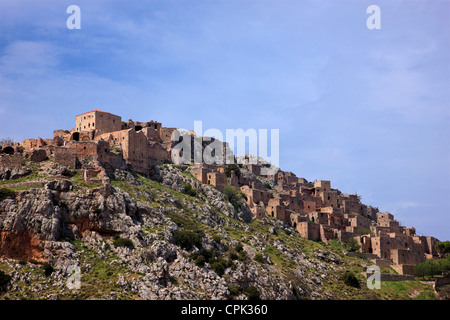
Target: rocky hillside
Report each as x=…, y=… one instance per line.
x=164, y=237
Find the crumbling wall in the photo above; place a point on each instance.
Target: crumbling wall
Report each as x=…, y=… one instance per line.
x=66, y=156
x=11, y=161
x=309, y=230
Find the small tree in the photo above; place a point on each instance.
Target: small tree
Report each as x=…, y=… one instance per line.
x=445, y=266
x=443, y=247
x=420, y=270
x=433, y=267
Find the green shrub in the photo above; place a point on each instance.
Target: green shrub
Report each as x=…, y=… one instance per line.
x=352, y=245
x=217, y=238
x=187, y=239
x=204, y=256
x=259, y=258
x=200, y=261
x=253, y=293
x=4, y=278
x=232, y=195
x=233, y=256
x=239, y=247
x=234, y=290
x=218, y=267
x=193, y=192
x=189, y=190
x=4, y=193
x=123, y=242
x=48, y=269
x=209, y=255
x=242, y=256
x=22, y=262
x=350, y=279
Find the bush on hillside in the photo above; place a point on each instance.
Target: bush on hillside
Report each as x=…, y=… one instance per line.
x=350, y=279
x=123, y=242
x=187, y=239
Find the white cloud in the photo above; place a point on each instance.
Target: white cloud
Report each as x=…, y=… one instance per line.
x=26, y=58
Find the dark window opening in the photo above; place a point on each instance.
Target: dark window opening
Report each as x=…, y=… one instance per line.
x=138, y=128
x=76, y=136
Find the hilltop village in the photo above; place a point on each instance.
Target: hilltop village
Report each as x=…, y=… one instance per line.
x=101, y=142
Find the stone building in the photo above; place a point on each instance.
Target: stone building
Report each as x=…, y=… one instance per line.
x=101, y=142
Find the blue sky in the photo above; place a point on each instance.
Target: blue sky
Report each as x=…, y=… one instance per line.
x=367, y=109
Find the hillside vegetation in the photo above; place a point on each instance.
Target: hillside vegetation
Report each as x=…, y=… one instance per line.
x=165, y=237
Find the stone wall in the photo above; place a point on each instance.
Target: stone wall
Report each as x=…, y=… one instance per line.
x=309, y=230
x=404, y=269
x=392, y=277
x=166, y=134
x=66, y=156
x=11, y=161
x=38, y=155
x=217, y=179
x=404, y=256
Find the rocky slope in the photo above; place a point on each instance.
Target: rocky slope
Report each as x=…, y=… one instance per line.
x=152, y=239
